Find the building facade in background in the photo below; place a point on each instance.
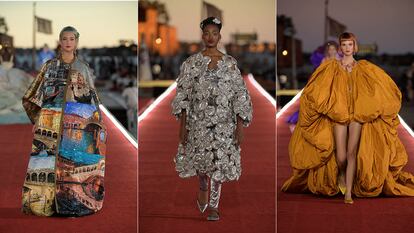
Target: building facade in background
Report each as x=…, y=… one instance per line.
x=153, y=28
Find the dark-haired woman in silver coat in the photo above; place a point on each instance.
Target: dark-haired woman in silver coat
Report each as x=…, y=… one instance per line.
x=212, y=104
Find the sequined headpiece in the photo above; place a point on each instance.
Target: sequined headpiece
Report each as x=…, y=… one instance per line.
x=211, y=20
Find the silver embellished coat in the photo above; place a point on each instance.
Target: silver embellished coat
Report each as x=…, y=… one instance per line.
x=212, y=99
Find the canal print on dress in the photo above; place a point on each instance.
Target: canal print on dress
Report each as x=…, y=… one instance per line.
x=81, y=161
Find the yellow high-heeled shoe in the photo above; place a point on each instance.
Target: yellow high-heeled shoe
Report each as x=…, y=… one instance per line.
x=348, y=201
x=342, y=189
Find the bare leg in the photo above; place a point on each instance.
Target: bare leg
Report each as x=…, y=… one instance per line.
x=340, y=133
x=203, y=193
x=352, y=149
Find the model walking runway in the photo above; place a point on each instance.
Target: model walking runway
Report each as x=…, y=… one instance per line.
x=168, y=203
x=119, y=213
x=311, y=213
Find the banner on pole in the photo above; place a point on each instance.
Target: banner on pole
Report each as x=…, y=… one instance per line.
x=210, y=10
x=335, y=28
x=44, y=25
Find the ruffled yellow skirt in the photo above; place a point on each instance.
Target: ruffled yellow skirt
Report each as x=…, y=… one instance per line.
x=366, y=95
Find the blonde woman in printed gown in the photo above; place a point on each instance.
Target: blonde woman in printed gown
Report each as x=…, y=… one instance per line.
x=65, y=175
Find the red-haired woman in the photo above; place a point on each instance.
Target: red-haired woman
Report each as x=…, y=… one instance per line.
x=346, y=137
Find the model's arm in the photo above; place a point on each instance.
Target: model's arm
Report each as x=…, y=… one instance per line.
x=242, y=105
x=238, y=134
x=181, y=103
x=181, y=100
x=91, y=81
x=33, y=98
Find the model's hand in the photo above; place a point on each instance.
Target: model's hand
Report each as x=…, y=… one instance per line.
x=183, y=135
x=238, y=134
x=183, y=130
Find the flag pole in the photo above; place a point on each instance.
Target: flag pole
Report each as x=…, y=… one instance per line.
x=202, y=18
x=34, y=38
x=202, y=10
x=326, y=21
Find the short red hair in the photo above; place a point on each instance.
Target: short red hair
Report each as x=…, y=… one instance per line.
x=349, y=36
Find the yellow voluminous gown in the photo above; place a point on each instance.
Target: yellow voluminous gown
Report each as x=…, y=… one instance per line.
x=333, y=95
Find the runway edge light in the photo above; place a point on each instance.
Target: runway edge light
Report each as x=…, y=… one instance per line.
x=261, y=89
x=119, y=126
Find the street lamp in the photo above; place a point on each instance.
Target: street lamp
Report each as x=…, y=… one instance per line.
x=158, y=40
x=290, y=31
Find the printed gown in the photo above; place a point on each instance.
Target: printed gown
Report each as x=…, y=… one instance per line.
x=333, y=95
x=65, y=175
x=212, y=99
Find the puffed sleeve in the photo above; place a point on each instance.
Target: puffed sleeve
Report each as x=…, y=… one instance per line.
x=91, y=81
x=182, y=97
x=91, y=77
x=33, y=98
x=242, y=105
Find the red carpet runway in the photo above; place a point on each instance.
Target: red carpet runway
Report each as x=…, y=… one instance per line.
x=167, y=203
x=307, y=213
x=143, y=103
x=119, y=212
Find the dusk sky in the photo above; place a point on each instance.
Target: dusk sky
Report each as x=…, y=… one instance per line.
x=388, y=23
x=99, y=23
x=245, y=16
